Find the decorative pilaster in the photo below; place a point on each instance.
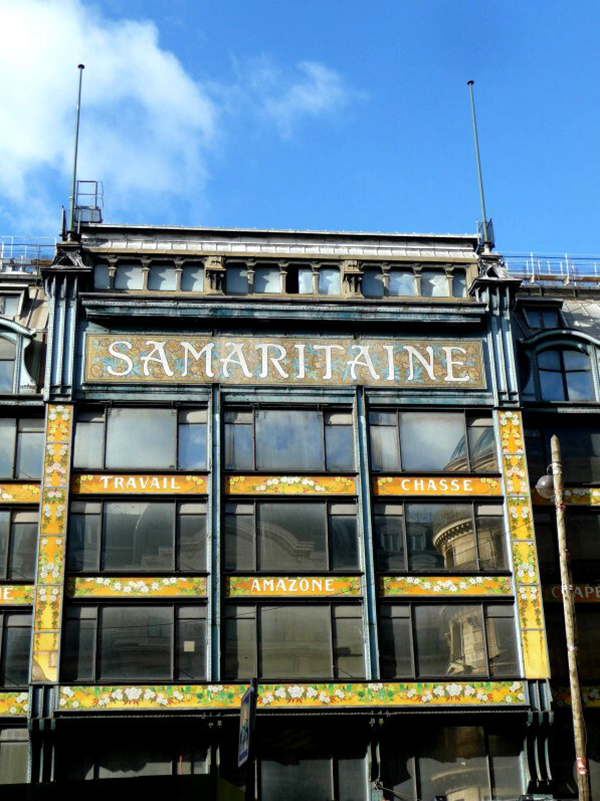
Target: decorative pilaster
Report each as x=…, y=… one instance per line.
x=522, y=538
x=51, y=544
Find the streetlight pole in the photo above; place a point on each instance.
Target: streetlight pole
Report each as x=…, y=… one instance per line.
x=583, y=779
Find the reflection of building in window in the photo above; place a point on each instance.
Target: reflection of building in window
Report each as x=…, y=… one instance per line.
x=7, y=365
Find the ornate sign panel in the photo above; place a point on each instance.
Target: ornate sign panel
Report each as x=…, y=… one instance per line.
x=126, y=359
x=449, y=486
x=292, y=587
x=109, y=484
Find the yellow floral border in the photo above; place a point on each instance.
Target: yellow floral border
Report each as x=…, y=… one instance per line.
x=290, y=485
x=137, y=484
x=443, y=586
x=136, y=587
x=296, y=586
x=14, y=704
x=19, y=493
x=16, y=594
x=436, y=486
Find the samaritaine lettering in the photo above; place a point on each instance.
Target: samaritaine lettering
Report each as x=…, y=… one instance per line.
x=436, y=363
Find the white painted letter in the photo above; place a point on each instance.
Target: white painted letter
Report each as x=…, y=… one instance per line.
x=236, y=350
x=451, y=364
x=264, y=349
x=363, y=350
x=301, y=365
x=207, y=350
x=126, y=359
x=159, y=348
x=328, y=351
x=413, y=354
x=390, y=358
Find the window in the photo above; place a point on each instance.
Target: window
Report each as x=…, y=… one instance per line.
x=149, y=536
x=290, y=536
x=101, y=276
x=588, y=645
x=402, y=283
x=7, y=365
x=192, y=278
x=459, y=284
x=580, y=449
x=293, y=642
x=9, y=305
x=236, y=280
x=434, y=640
x=425, y=761
x=288, y=439
x=432, y=442
x=434, y=284
x=542, y=318
x=565, y=375
x=129, y=276
x=439, y=536
x=267, y=281
x=21, y=447
x=123, y=642
x=162, y=277
x=583, y=538
x=18, y=541
x=14, y=755
x=141, y=438
x=15, y=643
x=372, y=283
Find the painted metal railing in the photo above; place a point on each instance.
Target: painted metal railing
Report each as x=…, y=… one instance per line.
x=24, y=254
x=554, y=269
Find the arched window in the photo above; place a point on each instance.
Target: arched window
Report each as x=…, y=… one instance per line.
x=7, y=365
x=565, y=375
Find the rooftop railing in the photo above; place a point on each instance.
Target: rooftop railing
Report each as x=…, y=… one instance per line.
x=554, y=269
x=24, y=254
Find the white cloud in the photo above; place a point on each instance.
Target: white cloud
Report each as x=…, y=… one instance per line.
x=148, y=129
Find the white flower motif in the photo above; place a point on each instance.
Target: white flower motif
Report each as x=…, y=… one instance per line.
x=117, y=695
x=295, y=691
x=375, y=687
x=215, y=688
x=280, y=692
x=149, y=694
x=463, y=585
x=427, y=697
x=516, y=685
x=426, y=585
x=62, y=702
x=21, y=697
x=437, y=588
x=155, y=586
x=340, y=694
x=161, y=699
x=68, y=692
x=75, y=704
x=411, y=693
x=311, y=692
x=508, y=699
x=520, y=696
x=324, y=698
x=133, y=693
x=178, y=695
x=469, y=690
x=481, y=696
x=268, y=698
x=438, y=690
x=454, y=690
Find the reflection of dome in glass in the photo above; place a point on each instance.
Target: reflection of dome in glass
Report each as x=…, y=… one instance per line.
x=466, y=777
x=483, y=454
x=453, y=536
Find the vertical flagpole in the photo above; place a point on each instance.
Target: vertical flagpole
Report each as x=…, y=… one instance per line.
x=478, y=159
x=81, y=68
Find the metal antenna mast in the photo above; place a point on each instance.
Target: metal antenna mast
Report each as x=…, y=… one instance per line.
x=488, y=241
x=81, y=68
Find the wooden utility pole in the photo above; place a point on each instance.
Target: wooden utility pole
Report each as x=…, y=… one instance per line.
x=583, y=776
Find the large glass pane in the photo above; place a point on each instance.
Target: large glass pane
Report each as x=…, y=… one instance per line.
x=402, y=283
x=30, y=449
x=138, y=536
x=504, y=750
x=289, y=777
x=191, y=445
x=329, y=281
x=140, y=438
x=236, y=280
x=7, y=368
x=576, y=360
x=129, y=759
x=348, y=654
x=162, y=277
x=449, y=640
x=580, y=453
x=549, y=360
x=21, y=563
x=343, y=542
x=491, y=540
x=459, y=284
x=372, y=284
x=339, y=447
x=482, y=445
x=87, y=452
x=434, y=284
x=101, y=276
x=454, y=756
x=292, y=536
x=385, y=451
x=191, y=540
x=395, y=642
x=192, y=278
x=389, y=537
x=440, y=536
x=589, y=647
x=583, y=531
x=352, y=776
x=267, y=280
x=239, y=537
x=191, y=643
x=8, y=438
x=295, y=642
x=78, y=650
x=135, y=643
x=238, y=440
x=129, y=276
x=15, y=650
x=305, y=281
x=433, y=441
x=580, y=386
x=14, y=756
x=4, y=532
x=501, y=642
x=551, y=385
x=240, y=643
x=289, y=439
x=83, y=542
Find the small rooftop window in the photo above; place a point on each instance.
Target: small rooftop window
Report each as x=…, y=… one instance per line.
x=542, y=318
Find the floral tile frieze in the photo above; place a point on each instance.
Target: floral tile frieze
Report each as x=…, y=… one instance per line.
x=19, y=493
x=14, y=704
x=445, y=585
x=144, y=587
x=290, y=485
x=285, y=586
x=293, y=696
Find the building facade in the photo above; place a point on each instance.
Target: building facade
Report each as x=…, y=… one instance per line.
x=298, y=458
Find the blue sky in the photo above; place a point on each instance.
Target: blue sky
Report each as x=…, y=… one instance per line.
x=310, y=115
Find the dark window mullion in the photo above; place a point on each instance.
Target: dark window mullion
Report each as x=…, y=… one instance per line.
x=2, y=630
x=256, y=533
x=174, y=667
x=405, y=537
x=104, y=437
x=9, y=544
x=174, y=538
x=488, y=761
x=467, y=448
x=332, y=642
x=101, y=538
x=326, y=507
x=254, y=438
x=413, y=642
x=476, y=536
x=399, y=439
x=483, y=608
x=257, y=632
x=96, y=655
x=16, y=447
x=323, y=441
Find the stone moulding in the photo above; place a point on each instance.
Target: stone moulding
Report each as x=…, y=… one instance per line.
x=294, y=696
x=444, y=586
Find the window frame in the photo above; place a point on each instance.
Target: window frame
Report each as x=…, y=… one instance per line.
x=321, y=410
x=18, y=435
x=482, y=605
x=411, y=570
x=255, y=611
x=174, y=568
x=6, y=612
x=105, y=411
x=174, y=608
x=559, y=348
x=12, y=511
x=326, y=503
x=467, y=414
